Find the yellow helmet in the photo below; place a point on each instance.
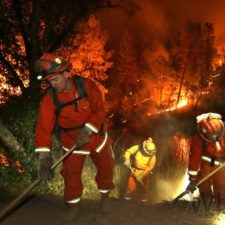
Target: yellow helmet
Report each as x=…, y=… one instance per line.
x=149, y=147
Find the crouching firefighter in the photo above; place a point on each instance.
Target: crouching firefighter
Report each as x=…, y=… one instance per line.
x=140, y=159
x=207, y=153
x=75, y=106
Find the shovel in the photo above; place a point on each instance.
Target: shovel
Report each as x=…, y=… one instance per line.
x=199, y=182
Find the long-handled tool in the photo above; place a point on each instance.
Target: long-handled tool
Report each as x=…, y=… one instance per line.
x=199, y=182
x=133, y=171
x=17, y=200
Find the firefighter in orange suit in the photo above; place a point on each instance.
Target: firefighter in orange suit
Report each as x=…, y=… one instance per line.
x=140, y=159
x=206, y=154
x=81, y=122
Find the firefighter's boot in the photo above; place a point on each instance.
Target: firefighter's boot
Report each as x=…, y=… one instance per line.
x=72, y=214
x=105, y=206
x=144, y=195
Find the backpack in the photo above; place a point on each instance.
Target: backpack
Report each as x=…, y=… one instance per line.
x=79, y=83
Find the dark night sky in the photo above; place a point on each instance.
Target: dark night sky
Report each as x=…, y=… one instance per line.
x=157, y=19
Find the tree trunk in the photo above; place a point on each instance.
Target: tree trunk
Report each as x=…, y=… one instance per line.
x=181, y=85
x=10, y=141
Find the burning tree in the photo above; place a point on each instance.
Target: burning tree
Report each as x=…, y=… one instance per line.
x=29, y=28
x=126, y=76
x=165, y=85
x=191, y=55
x=87, y=50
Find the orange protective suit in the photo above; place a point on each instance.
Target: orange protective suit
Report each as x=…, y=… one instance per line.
x=204, y=158
x=89, y=112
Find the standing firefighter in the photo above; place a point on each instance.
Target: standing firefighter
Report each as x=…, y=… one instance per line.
x=74, y=106
x=140, y=159
x=206, y=154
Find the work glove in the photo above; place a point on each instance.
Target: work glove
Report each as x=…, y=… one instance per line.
x=192, y=186
x=83, y=137
x=127, y=163
x=44, y=167
x=139, y=178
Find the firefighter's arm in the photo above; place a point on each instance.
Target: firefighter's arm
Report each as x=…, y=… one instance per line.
x=195, y=158
x=96, y=102
x=151, y=165
x=44, y=129
x=127, y=155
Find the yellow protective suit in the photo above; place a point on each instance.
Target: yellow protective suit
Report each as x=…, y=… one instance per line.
x=143, y=164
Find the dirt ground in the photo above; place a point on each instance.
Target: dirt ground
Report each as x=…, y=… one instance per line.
x=50, y=210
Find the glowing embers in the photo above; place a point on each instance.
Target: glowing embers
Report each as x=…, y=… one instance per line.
x=181, y=148
x=7, y=90
x=5, y=163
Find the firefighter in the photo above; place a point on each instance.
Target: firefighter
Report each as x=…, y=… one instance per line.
x=140, y=159
x=79, y=116
x=206, y=154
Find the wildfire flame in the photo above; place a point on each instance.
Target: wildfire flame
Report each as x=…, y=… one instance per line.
x=182, y=103
x=4, y=161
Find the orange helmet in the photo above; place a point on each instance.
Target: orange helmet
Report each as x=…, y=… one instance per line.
x=49, y=64
x=210, y=126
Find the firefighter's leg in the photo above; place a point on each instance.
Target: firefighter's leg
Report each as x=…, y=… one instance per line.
x=219, y=184
x=205, y=188
x=71, y=172
x=145, y=188
x=104, y=163
x=131, y=187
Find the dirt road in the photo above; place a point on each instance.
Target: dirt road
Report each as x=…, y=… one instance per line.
x=49, y=210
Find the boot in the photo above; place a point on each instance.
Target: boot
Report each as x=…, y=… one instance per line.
x=105, y=206
x=144, y=197
x=72, y=214
x=128, y=195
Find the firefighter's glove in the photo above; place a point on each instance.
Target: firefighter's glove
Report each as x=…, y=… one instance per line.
x=191, y=186
x=44, y=168
x=127, y=163
x=139, y=178
x=83, y=137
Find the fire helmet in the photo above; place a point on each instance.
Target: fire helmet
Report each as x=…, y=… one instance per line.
x=210, y=126
x=49, y=64
x=149, y=147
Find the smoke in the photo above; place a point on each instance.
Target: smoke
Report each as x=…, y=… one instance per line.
x=171, y=178
x=167, y=190
x=156, y=20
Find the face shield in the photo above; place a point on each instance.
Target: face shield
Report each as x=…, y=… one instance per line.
x=149, y=147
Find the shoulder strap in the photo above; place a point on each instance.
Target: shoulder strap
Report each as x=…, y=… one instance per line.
x=56, y=101
x=80, y=85
x=204, y=144
x=79, y=82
